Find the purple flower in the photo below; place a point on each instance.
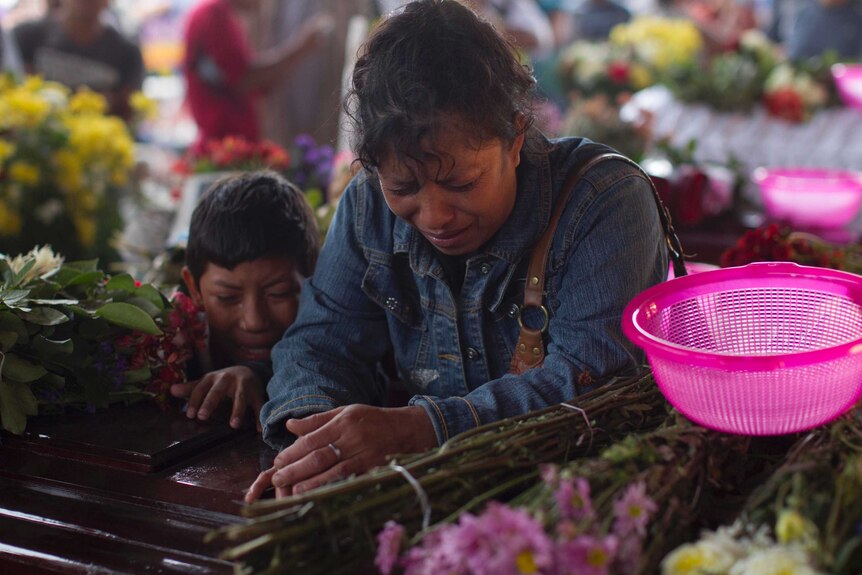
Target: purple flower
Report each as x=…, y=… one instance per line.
x=304, y=142
x=633, y=510
x=573, y=500
x=388, y=546
x=628, y=555
x=502, y=541
x=586, y=555
x=549, y=473
x=433, y=556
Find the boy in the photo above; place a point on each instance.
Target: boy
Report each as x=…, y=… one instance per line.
x=252, y=240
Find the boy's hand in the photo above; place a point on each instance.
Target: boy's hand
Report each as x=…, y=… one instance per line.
x=343, y=441
x=239, y=383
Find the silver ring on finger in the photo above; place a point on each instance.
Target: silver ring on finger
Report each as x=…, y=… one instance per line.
x=335, y=449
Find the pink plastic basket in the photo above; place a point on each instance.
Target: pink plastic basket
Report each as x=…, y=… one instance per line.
x=810, y=198
x=763, y=349
x=848, y=81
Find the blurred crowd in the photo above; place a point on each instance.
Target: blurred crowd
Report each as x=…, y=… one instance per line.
x=275, y=69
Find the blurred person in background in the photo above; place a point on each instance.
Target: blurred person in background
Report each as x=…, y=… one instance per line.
x=312, y=105
x=824, y=26
x=73, y=45
x=224, y=76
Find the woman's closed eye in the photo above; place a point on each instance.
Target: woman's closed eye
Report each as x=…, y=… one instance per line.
x=461, y=187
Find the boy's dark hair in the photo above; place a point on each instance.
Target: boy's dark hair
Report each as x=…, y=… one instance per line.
x=245, y=217
x=433, y=60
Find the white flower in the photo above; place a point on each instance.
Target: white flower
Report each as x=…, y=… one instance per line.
x=775, y=560
x=49, y=211
x=711, y=556
x=46, y=263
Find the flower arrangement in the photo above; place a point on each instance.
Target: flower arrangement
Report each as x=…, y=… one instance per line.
x=601, y=68
x=774, y=242
x=566, y=534
x=659, y=43
x=72, y=336
x=793, y=94
x=62, y=163
x=306, y=164
x=234, y=154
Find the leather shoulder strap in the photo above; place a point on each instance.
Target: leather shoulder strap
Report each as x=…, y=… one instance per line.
x=530, y=349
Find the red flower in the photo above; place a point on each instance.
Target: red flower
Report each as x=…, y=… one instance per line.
x=785, y=103
x=618, y=72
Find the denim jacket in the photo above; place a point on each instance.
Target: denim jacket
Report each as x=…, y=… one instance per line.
x=379, y=287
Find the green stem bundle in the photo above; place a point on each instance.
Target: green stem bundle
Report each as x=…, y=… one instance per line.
x=332, y=529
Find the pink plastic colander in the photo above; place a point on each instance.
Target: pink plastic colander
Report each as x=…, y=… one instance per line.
x=810, y=197
x=763, y=349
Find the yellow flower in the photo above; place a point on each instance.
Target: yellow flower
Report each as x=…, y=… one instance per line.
x=7, y=150
x=10, y=222
x=24, y=173
x=526, y=563
x=88, y=102
x=701, y=558
x=640, y=76
x=23, y=109
x=144, y=107
x=86, y=227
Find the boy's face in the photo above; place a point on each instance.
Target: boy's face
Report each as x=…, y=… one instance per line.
x=247, y=308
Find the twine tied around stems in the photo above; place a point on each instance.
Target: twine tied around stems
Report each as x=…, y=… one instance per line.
x=586, y=420
x=424, y=502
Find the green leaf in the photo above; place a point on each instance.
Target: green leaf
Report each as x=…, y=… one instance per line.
x=13, y=297
x=152, y=295
x=11, y=322
x=83, y=265
x=20, y=369
x=54, y=380
x=54, y=301
x=48, y=348
x=123, y=282
x=44, y=316
x=137, y=375
x=145, y=305
x=130, y=316
x=16, y=277
x=16, y=403
x=87, y=278
x=7, y=340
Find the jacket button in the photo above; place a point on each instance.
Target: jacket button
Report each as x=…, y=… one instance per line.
x=391, y=303
x=485, y=269
x=513, y=311
x=473, y=353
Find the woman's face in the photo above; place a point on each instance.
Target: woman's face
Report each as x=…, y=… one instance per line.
x=460, y=194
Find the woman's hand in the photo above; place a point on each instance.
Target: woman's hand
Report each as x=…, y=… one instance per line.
x=341, y=442
x=238, y=383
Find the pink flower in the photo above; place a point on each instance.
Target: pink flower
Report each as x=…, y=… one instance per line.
x=586, y=555
x=433, y=556
x=504, y=541
x=633, y=510
x=388, y=546
x=549, y=473
x=573, y=500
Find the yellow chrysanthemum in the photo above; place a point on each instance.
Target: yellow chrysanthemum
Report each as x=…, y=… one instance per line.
x=88, y=102
x=7, y=150
x=144, y=107
x=659, y=42
x=86, y=227
x=22, y=109
x=696, y=559
x=24, y=173
x=10, y=221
